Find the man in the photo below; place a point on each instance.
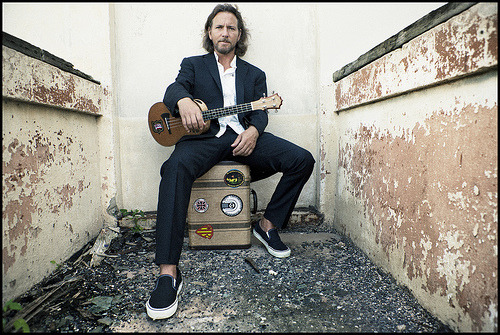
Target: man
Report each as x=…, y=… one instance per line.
x=220, y=79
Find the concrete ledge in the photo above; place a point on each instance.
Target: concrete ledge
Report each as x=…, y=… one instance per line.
x=300, y=218
x=34, y=81
x=429, y=21
x=445, y=53
x=35, y=52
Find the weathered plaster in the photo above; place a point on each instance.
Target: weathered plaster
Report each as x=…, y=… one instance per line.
x=50, y=189
x=58, y=167
x=465, y=44
x=417, y=168
x=59, y=172
x=429, y=193
x=31, y=80
x=328, y=154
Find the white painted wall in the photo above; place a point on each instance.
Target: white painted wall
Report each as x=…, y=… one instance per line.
x=135, y=50
x=75, y=32
x=294, y=43
x=349, y=29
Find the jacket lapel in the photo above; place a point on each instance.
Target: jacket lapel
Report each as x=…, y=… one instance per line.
x=212, y=68
x=241, y=70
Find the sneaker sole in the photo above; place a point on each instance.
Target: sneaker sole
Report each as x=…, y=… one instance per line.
x=164, y=313
x=274, y=252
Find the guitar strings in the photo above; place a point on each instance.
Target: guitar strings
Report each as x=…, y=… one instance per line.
x=219, y=112
x=215, y=113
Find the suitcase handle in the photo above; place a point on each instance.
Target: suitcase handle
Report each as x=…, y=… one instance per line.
x=254, y=195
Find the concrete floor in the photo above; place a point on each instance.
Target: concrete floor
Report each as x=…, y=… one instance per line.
x=326, y=285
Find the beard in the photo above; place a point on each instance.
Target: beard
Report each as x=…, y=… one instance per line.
x=224, y=49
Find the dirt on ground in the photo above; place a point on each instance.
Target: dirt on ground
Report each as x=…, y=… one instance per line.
x=326, y=285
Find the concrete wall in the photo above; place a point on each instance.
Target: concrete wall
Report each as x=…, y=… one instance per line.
x=135, y=50
x=58, y=139
x=76, y=32
x=144, y=76
x=58, y=173
x=288, y=41
x=407, y=168
x=416, y=172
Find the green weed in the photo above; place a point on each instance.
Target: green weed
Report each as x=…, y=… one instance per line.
x=56, y=264
x=137, y=215
x=19, y=324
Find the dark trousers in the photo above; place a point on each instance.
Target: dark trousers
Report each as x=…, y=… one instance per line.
x=193, y=158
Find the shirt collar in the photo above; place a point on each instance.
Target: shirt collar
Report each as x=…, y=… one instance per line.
x=233, y=62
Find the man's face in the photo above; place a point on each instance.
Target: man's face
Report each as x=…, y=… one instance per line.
x=224, y=32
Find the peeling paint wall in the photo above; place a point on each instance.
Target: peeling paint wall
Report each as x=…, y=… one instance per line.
x=54, y=169
x=417, y=167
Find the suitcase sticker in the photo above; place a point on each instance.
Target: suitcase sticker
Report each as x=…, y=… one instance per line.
x=234, y=178
x=206, y=231
x=231, y=205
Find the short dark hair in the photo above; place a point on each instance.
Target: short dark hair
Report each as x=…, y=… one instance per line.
x=241, y=45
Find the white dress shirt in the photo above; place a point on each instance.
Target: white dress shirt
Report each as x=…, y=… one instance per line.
x=228, y=81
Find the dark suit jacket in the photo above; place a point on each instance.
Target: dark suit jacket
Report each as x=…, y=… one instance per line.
x=199, y=78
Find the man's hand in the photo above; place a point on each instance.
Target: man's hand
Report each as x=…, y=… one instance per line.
x=191, y=117
x=245, y=142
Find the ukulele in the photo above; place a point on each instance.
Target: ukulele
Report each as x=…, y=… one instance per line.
x=167, y=130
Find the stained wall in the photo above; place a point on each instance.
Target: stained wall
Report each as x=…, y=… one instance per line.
x=416, y=172
x=57, y=168
x=405, y=147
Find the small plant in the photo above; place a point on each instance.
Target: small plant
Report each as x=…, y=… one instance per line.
x=56, y=264
x=137, y=216
x=19, y=323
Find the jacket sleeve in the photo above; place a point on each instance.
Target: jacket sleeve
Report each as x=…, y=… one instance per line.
x=182, y=87
x=258, y=118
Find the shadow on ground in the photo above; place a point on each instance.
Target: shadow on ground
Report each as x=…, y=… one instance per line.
x=327, y=285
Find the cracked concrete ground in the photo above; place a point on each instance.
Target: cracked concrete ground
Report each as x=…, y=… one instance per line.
x=327, y=285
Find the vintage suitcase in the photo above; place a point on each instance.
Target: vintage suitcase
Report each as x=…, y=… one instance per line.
x=219, y=212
